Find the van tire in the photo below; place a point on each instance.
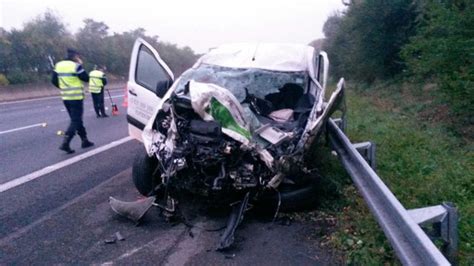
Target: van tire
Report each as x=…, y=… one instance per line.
x=293, y=198
x=142, y=173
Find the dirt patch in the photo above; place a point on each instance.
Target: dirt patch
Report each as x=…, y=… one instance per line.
x=383, y=104
x=419, y=101
x=436, y=113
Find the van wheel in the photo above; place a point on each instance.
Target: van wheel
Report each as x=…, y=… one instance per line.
x=293, y=197
x=142, y=174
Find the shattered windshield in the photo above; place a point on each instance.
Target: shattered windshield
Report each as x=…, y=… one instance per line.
x=259, y=82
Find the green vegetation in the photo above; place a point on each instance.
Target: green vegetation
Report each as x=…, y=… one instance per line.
x=443, y=49
x=365, y=42
x=414, y=63
x=415, y=41
x=3, y=80
x=421, y=162
x=24, y=52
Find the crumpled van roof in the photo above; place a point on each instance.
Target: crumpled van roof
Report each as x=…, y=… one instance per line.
x=271, y=56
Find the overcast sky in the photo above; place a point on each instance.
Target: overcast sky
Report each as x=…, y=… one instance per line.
x=200, y=24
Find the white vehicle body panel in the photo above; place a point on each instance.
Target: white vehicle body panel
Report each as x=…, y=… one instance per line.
x=271, y=56
x=142, y=101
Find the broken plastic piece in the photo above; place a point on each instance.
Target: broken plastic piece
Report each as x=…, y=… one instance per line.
x=110, y=240
x=119, y=236
x=272, y=134
x=132, y=210
x=230, y=256
x=235, y=218
x=282, y=115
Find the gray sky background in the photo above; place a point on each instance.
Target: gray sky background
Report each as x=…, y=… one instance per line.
x=200, y=24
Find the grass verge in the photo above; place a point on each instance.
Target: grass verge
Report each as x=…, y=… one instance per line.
x=421, y=161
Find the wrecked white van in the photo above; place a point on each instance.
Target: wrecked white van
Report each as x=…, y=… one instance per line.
x=234, y=127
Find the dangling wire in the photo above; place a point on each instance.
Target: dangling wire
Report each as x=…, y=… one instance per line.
x=278, y=206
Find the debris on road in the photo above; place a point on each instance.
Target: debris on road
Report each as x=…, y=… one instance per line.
x=110, y=241
x=230, y=256
x=132, y=210
x=117, y=236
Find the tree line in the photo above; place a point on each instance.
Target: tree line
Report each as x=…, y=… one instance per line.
x=425, y=41
x=24, y=52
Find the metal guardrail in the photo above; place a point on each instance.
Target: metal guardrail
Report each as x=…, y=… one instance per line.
x=402, y=227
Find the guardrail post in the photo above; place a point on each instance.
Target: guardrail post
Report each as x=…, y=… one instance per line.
x=450, y=248
x=341, y=123
x=440, y=222
x=367, y=150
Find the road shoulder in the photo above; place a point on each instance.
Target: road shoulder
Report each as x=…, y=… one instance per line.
x=77, y=233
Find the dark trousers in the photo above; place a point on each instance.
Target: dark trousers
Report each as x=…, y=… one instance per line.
x=98, y=100
x=75, y=109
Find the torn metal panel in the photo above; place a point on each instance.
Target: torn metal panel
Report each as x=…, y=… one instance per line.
x=214, y=103
x=316, y=119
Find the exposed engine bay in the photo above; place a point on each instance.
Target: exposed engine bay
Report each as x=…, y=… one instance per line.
x=219, y=150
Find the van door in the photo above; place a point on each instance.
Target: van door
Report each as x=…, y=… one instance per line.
x=316, y=120
x=322, y=69
x=149, y=79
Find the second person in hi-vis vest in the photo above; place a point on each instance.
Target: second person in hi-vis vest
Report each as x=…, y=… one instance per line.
x=97, y=82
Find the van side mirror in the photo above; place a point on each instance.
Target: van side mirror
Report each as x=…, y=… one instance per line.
x=322, y=69
x=162, y=87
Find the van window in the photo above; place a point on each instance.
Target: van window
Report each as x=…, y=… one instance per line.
x=149, y=72
x=259, y=82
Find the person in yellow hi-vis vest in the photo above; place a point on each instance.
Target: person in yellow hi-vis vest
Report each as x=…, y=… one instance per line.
x=68, y=76
x=97, y=82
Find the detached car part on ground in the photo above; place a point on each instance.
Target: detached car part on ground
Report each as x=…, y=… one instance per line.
x=234, y=129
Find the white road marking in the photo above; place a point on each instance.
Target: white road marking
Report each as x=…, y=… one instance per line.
x=44, y=98
x=170, y=238
x=22, y=128
x=29, y=177
x=31, y=100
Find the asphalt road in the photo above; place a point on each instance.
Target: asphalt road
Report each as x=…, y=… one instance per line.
x=62, y=216
x=24, y=150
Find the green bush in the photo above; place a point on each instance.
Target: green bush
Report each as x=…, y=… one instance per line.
x=20, y=77
x=364, y=42
x=25, y=52
x=443, y=50
x=3, y=80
